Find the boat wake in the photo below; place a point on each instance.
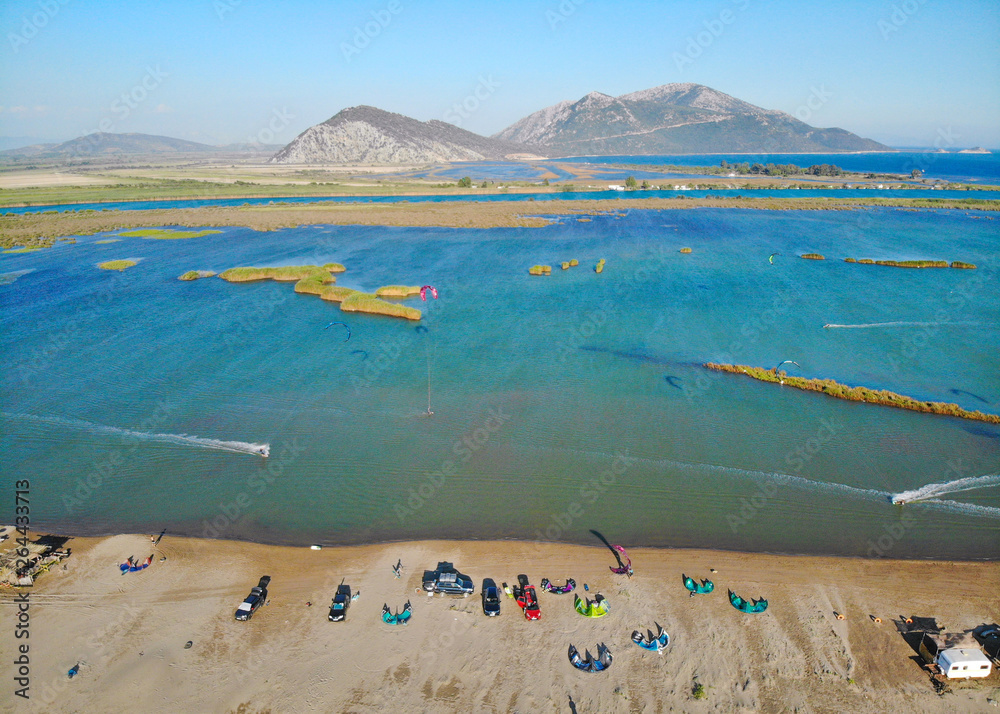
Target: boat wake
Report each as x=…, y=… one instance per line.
x=933, y=490
x=927, y=495
x=867, y=325
x=236, y=447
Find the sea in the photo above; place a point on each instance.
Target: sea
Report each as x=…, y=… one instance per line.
x=559, y=405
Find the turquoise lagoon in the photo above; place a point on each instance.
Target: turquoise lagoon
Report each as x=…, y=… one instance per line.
x=133, y=401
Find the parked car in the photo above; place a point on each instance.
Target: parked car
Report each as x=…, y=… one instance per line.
x=445, y=579
x=341, y=601
x=256, y=598
x=529, y=603
x=491, y=598
x=527, y=599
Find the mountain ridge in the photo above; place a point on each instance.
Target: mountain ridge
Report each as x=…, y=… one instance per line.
x=679, y=118
x=368, y=135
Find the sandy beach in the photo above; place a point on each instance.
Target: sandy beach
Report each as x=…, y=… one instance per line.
x=128, y=632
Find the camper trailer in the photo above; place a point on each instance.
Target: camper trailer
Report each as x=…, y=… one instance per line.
x=963, y=662
x=956, y=656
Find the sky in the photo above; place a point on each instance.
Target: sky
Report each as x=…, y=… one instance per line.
x=905, y=72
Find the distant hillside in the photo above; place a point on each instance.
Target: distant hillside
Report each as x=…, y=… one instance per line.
x=674, y=119
x=105, y=145
x=366, y=135
x=102, y=143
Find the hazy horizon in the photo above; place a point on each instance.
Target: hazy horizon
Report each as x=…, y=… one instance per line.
x=229, y=71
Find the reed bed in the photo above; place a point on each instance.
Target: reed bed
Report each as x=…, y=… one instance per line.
x=831, y=388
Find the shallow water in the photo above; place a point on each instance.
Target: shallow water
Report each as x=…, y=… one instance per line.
x=950, y=166
x=523, y=197
x=561, y=404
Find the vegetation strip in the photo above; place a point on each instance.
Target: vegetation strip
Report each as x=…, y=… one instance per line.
x=165, y=234
x=318, y=280
x=116, y=264
x=43, y=228
x=854, y=394
x=912, y=263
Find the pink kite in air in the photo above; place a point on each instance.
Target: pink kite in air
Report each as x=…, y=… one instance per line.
x=624, y=568
x=423, y=292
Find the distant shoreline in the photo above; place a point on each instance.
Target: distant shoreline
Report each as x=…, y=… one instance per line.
x=479, y=542
x=747, y=153
x=42, y=229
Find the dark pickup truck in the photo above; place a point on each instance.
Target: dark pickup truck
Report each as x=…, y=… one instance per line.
x=256, y=598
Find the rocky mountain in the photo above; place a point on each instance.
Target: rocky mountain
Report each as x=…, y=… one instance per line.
x=366, y=135
x=674, y=119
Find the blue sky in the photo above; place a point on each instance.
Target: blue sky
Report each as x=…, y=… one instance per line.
x=222, y=71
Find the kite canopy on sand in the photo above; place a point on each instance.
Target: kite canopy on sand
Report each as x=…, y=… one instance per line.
x=747, y=606
x=549, y=587
x=598, y=607
x=651, y=642
x=133, y=566
x=400, y=618
x=624, y=568
x=588, y=663
x=703, y=588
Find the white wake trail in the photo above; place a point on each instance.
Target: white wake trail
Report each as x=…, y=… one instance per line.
x=236, y=447
x=934, y=490
x=867, y=325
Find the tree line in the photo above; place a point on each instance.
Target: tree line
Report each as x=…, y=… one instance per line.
x=782, y=169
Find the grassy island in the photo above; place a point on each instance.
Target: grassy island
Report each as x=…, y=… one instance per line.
x=813, y=256
x=315, y=280
x=287, y=273
x=599, y=268
x=964, y=266
x=685, y=250
x=900, y=263
x=335, y=293
x=107, y=240
x=854, y=394
x=196, y=274
x=540, y=270
x=398, y=291
x=166, y=234
x=116, y=264
x=367, y=302
x=315, y=283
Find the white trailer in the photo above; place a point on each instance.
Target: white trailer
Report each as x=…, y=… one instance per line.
x=963, y=663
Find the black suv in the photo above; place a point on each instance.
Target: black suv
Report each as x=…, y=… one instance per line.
x=256, y=598
x=447, y=580
x=491, y=598
x=341, y=601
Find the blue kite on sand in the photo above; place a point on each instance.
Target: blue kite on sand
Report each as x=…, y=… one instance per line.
x=588, y=663
x=653, y=643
